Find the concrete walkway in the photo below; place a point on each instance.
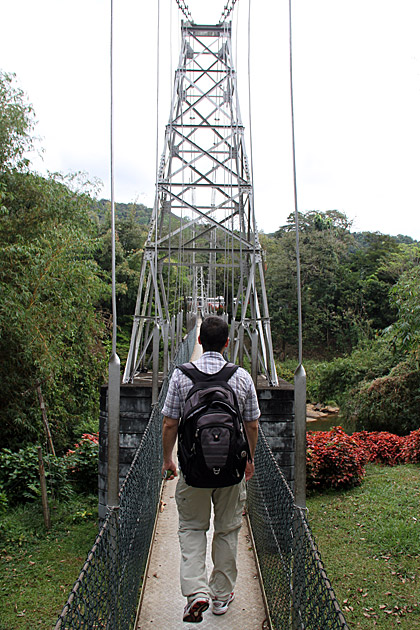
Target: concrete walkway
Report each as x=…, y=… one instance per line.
x=163, y=604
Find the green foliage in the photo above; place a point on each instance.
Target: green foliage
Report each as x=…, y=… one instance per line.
x=16, y=124
x=388, y=403
x=345, y=279
x=405, y=332
x=286, y=370
x=75, y=471
x=336, y=378
x=123, y=212
x=131, y=234
x=19, y=475
x=343, y=297
x=4, y=503
x=82, y=463
x=378, y=384
x=330, y=321
x=51, y=332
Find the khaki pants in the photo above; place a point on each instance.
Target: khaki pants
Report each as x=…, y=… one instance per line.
x=194, y=509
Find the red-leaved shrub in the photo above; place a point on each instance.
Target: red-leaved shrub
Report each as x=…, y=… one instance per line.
x=334, y=460
x=410, y=451
x=381, y=447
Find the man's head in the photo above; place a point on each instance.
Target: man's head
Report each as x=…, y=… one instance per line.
x=214, y=334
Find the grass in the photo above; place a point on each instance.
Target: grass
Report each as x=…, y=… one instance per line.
x=369, y=539
x=38, y=568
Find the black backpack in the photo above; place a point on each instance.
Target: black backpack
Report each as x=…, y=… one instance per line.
x=212, y=445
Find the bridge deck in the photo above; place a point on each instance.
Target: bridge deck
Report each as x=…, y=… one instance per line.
x=163, y=603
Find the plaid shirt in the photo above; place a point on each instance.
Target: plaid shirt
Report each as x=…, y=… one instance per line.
x=210, y=363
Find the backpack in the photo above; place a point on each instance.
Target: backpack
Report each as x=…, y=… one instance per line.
x=212, y=445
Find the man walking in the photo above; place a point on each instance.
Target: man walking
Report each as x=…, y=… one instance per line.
x=194, y=504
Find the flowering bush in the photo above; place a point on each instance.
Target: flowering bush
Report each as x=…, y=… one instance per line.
x=410, y=451
x=82, y=463
x=334, y=460
x=380, y=446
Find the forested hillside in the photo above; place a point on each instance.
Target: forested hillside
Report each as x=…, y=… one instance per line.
x=346, y=281
x=361, y=317
x=360, y=297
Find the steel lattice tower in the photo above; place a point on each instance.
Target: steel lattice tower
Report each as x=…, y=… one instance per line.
x=202, y=252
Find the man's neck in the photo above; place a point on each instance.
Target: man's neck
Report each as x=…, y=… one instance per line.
x=216, y=351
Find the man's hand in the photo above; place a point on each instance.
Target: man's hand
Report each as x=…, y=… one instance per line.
x=249, y=470
x=169, y=470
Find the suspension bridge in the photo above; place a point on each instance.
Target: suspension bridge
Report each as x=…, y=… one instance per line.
x=202, y=256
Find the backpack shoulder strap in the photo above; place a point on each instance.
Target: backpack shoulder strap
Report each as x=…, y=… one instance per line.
x=226, y=372
x=193, y=373
x=197, y=376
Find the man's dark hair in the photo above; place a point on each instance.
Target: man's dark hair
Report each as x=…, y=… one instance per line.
x=214, y=333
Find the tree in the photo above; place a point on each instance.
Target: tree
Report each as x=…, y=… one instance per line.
x=130, y=237
x=405, y=294
x=16, y=123
x=324, y=241
x=371, y=277
x=51, y=332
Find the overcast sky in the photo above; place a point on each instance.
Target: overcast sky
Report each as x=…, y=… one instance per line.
x=356, y=92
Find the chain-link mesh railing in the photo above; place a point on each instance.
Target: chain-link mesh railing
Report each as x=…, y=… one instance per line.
x=298, y=592
x=106, y=592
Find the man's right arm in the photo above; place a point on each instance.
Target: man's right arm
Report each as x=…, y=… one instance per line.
x=171, y=414
x=251, y=429
x=169, y=434
x=250, y=416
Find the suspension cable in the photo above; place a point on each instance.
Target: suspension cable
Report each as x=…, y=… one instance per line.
x=185, y=10
x=168, y=292
x=299, y=291
x=114, y=299
x=157, y=148
x=254, y=226
x=227, y=10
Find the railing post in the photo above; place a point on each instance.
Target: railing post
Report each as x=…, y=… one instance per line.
x=155, y=372
x=179, y=328
x=173, y=337
x=231, y=348
x=181, y=325
x=298, y=589
x=113, y=431
x=300, y=436
x=241, y=343
x=254, y=356
x=165, y=333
